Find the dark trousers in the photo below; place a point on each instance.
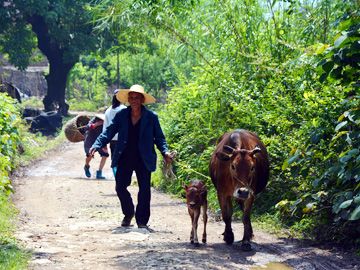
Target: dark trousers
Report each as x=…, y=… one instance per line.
x=123, y=180
x=112, y=147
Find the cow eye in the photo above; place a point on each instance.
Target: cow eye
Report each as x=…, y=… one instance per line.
x=233, y=166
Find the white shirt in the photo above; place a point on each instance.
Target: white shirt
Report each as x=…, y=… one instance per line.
x=109, y=116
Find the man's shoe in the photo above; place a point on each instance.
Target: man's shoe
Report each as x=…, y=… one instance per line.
x=146, y=227
x=99, y=175
x=126, y=221
x=87, y=171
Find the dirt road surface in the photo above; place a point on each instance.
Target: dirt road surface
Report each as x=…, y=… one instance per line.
x=71, y=222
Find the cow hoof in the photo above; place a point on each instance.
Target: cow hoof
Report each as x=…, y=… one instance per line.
x=204, y=241
x=196, y=244
x=229, y=237
x=192, y=241
x=246, y=247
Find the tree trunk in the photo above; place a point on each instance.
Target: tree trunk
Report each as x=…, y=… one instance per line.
x=59, y=68
x=56, y=82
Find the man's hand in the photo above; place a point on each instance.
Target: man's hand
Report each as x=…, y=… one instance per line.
x=168, y=158
x=95, y=125
x=92, y=126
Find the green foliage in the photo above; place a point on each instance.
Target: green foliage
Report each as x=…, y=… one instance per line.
x=67, y=23
x=86, y=87
x=152, y=63
x=17, y=147
x=332, y=195
x=19, y=43
x=271, y=223
x=32, y=102
x=62, y=31
x=261, y=74
x=9, y=140
x=266, y=67
x=83, y=105
x=11, y=255
x=342, y=60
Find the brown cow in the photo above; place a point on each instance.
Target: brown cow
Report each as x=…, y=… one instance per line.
x=239, y=169
x=196, y=199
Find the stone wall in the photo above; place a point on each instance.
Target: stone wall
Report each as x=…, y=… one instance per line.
x=30, y=82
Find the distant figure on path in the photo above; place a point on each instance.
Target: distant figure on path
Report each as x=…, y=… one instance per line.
x=93, y=130
x=109, y=116
x=138, y=131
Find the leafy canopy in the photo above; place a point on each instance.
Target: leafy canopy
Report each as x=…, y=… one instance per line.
x=64, y=24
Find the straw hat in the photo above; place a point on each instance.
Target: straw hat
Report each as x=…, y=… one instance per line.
x=122, y=94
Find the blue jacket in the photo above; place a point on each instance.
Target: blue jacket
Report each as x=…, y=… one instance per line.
x=150, y=134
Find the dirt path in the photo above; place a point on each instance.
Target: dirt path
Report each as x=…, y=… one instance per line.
x=70, y=222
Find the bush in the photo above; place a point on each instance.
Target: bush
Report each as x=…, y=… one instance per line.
x=11, y=255
x=9, y=140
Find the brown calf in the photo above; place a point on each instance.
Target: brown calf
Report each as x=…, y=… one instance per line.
x=196, y=198
x=239, y=170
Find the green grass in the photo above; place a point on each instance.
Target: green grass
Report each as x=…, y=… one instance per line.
x=13, y=257
x=12, y=254
x=83, y=105
x=32, y=102
x=270, y=223
x=35, y=146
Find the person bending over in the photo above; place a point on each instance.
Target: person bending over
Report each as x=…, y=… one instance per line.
x=93, y=130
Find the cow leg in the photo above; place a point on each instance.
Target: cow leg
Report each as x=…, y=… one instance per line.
x=248, y=231
x=191, y=213
x=226, y=211
x=205, y=218
x=195, y=225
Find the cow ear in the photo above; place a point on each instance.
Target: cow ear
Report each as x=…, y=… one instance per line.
x=222, y=156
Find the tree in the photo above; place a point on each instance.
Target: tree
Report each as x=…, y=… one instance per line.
x=63, y=30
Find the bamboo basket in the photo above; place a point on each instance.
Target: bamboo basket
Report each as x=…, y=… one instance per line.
x=74, y=128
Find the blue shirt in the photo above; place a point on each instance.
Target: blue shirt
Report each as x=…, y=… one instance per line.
x=150, y=134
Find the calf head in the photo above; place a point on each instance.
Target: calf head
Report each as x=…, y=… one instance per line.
x=242, y=169
x=195, y=194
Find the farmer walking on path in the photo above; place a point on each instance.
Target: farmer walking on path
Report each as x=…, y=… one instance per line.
x=138, y=130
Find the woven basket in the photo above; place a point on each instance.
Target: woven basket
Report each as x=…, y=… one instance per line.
x=74, y=128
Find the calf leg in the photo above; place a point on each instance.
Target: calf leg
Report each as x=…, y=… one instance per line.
x=205, y=218
x=195, y=225
x=248, y=231
x=226, y=211
x=191, y=213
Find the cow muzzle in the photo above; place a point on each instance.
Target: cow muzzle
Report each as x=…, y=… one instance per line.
x=241, y=193
x=192, y=205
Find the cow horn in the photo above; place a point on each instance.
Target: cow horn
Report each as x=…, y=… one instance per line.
x=257, y=149
x=223, y=156
x=228, y=149
x=203, y=191
x=226, y=154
